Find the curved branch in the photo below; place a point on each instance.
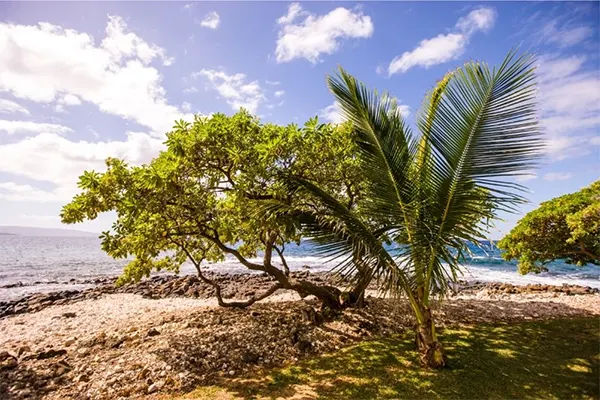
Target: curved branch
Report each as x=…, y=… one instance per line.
x=250, y=265
x=286, y=268
x=217, y=287
x=246, y=303
x=583, y=250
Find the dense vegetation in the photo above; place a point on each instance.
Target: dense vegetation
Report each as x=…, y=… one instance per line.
x=429, y=194
x=233, y=186
x=566, y=227
x=196, y=201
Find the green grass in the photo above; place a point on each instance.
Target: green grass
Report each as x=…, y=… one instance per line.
x=556, y=359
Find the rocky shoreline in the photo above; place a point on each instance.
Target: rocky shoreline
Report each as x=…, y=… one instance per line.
x=236, y=286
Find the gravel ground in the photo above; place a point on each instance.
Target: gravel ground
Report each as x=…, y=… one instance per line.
x=124, y=345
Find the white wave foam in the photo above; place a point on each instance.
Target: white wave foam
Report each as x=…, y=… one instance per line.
x=473, y=273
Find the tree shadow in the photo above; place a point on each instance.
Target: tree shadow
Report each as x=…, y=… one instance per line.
x=25, y=381
x=525, y=360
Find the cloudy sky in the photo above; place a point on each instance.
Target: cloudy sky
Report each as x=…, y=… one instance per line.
x=82, y=81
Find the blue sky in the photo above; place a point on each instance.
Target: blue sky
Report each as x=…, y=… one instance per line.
x=81, y=81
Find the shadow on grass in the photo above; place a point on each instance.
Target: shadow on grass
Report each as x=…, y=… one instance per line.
x=541, y=359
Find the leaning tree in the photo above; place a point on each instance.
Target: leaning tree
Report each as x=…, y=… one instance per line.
x=427, y=195
x=195, y=202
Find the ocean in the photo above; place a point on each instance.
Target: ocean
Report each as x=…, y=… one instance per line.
x=49, y=263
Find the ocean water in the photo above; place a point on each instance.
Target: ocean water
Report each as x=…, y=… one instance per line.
x=49, y=263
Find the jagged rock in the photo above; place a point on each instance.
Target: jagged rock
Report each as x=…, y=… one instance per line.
x=115, y=342
x=304, y=345
x=156, y=386
x=152, y=332
x=83, y=352
x=8, y=363
x=22, y=350
x=4, y=355
x=250, y=357
x=50, y=354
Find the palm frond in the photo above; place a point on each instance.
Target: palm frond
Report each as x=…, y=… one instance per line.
x=385, y=144
x=484, y=130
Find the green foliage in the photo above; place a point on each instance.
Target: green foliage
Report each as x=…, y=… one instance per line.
x=566, y=227
x=429, y=193
x=195, y=200
x=551, y=359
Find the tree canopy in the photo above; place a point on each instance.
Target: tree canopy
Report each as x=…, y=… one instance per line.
x=429, y=193
x=195, y=201
x=566, y=227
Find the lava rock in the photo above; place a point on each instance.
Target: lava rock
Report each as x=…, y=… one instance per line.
x=50, y=354
x=250, y=357
x=152, y=332
x=304, y=345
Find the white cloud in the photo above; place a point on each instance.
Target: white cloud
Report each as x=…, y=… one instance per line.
x=187, y=107
x=558, y=176
x=314, y=35
x=211, y=20
x=333, y=113
x=236, y=91
x=481, y=19
x=525, y=178
x=12, y=191
x=294, y=11
x=52, y=158
x=444, y=48
x=279, y=93
x=564, y=36
x=551, y=68
x=13, y=127
x=404, y=110
x=569, y=100
x=45, y=63
x=10, y=107
x=595, y=141
x=70, y=100
x=272, y=83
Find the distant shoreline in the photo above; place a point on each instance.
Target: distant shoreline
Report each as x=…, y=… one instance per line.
x=44, y=232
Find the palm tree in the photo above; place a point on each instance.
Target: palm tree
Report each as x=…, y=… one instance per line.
x=430, y=194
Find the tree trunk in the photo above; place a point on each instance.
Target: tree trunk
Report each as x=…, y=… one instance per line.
x=356, y=297
x=431, y=352
x=329, y=296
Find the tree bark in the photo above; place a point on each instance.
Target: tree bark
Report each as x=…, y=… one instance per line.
x=356, y=296
x=431, y=352
x=330, y=296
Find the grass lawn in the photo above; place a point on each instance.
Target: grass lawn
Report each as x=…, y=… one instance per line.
x=529, y=360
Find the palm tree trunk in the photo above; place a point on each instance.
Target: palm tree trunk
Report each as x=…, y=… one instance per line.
x=431, y=352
